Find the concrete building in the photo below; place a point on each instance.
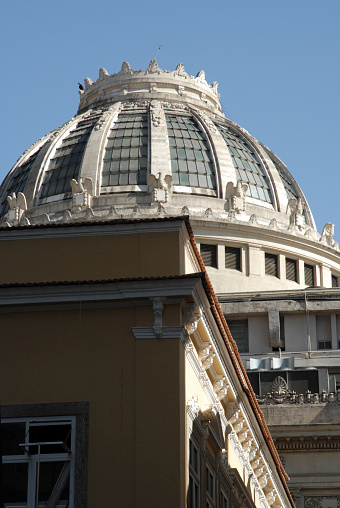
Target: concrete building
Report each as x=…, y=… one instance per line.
x=151, y=145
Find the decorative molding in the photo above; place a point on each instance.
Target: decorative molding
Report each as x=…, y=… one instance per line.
x=309, y=443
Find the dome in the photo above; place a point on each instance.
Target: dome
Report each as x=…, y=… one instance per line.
x=145, y=139
x=153, y=143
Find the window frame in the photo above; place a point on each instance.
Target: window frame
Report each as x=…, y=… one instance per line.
x=34, y=461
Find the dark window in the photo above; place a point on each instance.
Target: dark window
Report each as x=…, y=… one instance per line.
x=309, y=275
x=324, y=344
x=209, y=254
x=291, y=271
x=223, y=500
x=126, y=155
x=271, y=264
x=286, y=177
x=247, y=165
x=210, y=486
x=233, y=258
x=194, y=476
x=48, y=442
x=239, y=331
x=334, y=281
x=66, y=162
x=18, y=180
x=191, y=160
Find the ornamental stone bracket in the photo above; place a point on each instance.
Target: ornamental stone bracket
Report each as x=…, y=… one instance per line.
x=17, y=208
x=157, y=304
x=236, y=196
x=160, y=188
x=81, y=194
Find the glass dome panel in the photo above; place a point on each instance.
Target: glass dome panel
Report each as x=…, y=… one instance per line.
x=126, y=155
x=191, y=159
x=247, y=166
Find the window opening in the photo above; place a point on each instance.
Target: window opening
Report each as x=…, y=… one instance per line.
x=334, y=281
x=38, y=462
x=239, y=331
x=126, y=154
x=18, y=180
x=233, y=258
x=286, y=178
x=209, y=255
x=66, y=162
x=223, y=500
x=291, y=271
x=247, y=165
x=309, y=275
x=190, y=154
x=209, y=487
x=193, y=500
x=271, y=267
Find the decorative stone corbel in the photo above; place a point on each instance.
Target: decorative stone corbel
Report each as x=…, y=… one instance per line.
x=270, y=495
x=242, y=435
x=157, y=303
x=221, y=388
x=160, y=187
x=259, y=471
x=190, y=319
x=238, y=424
x=263, y=480
x=81, y=193
x=206, y=355
x=235, y=196
x=295, y=209
x=17, y=207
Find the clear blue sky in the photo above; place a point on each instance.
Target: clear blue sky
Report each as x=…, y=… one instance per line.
x=276, y=62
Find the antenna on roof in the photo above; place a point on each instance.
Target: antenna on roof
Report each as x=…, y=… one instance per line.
x=159, y=48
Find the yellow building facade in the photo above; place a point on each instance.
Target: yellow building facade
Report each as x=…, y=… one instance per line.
x=120, y=382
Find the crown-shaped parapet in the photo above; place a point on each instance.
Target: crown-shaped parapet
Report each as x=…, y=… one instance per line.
x=151, y=83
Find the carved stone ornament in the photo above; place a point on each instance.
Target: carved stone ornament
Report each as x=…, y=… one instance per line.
x=126, y=69
x=160, y=187
x=206, y=355
x=156, y=113
x=236, y=196
x=158, y=312
x=180, y=71
x=190, y=319
x=296, y=207
x=104, y=118
x=81, y=193
x=153, y=68
x=153, y=88
x=327, y=234
x=193, y=406
x=17, y=207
